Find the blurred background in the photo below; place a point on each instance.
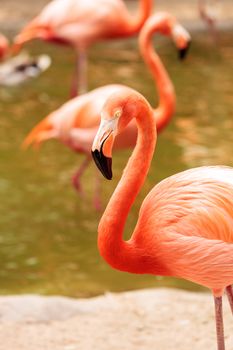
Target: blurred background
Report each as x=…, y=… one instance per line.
x=47, y=232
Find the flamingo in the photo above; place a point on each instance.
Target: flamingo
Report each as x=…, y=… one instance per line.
x=185, y=223
x=76, y=122
x=4, y=46
x=208, y=15
x=79, y=24
x=18, y=69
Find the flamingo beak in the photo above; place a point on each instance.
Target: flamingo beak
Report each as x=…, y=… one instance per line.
x=104, y=164
x=102, y=147
x=183, y=52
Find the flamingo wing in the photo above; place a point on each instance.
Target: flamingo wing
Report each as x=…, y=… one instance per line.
x=188, y=219
x=77, y=22
x=82, y=112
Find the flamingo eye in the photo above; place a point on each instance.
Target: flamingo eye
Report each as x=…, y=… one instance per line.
x=118, y=113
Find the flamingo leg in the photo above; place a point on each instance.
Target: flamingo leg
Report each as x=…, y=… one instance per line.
x=219, y=323
x=76, y=177
x=229, y=293
x=97, y=199
x=79, y=81
x=213, y=31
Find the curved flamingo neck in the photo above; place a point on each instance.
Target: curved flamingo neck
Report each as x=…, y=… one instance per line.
x=4, y=46
x=167, y=100
x=117, y=252
x=136, y=22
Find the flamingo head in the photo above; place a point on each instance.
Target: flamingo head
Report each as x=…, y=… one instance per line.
x=181, y=38
x=165, y=24
x=118, y=111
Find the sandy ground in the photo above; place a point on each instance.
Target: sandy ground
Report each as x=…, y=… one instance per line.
x=160, y=319
x=14, y=13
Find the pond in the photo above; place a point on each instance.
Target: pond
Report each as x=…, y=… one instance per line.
x=47, y=232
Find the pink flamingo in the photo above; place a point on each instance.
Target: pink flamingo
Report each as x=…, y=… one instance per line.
x=185, y=224
x=4, y=46
x=76, y=122
x=80, y=23
x=208, y=15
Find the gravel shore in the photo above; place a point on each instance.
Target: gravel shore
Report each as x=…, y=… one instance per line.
x=161, y=319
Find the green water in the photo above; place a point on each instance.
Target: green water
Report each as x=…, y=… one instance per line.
x=47, y=233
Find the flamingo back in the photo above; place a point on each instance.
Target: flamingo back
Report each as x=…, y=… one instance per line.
x=185, y=227
x=80, y=113
x=197, y=202
x=78, y=22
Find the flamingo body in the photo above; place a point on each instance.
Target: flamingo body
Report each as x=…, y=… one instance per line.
x=80, y=23
x=76, y=122
x=77, y=118
x=191, y=214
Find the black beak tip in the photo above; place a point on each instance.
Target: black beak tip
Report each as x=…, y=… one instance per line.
x=183, y=52
x=108, y=177
x=104, y=164
x=107, y=172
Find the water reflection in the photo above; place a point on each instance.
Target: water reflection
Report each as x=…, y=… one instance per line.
x=47, y=233
x=205, y=133
x=202, y=144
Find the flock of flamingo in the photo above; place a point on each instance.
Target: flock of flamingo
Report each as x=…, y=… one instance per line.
x=185, y=223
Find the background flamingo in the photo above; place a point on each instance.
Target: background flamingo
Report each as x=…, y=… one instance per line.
x=4, y=46
x=20, y=68
x=207, y=13
x=76, y=122
x=185, y=224
x=80, y=23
